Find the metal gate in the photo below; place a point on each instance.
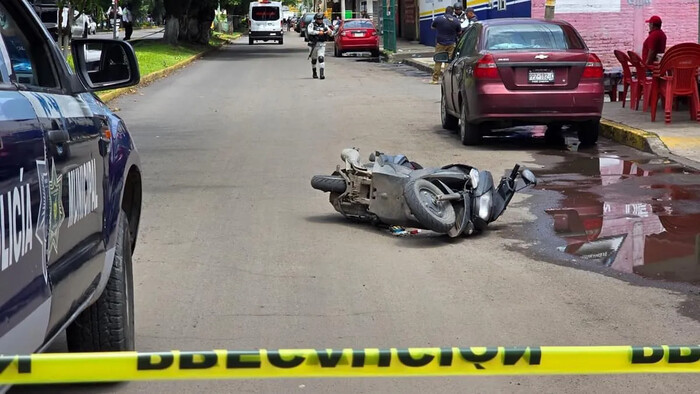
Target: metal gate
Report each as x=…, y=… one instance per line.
x=389, y=25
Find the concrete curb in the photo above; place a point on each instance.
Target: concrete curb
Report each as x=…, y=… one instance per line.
x=418, y=65
x=643, y=140
x=146, y=79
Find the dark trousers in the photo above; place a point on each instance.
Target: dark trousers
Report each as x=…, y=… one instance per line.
x=128, y=29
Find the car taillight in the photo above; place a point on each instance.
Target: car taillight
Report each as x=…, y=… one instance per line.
x=594, y=67
x=486, y=68
x=374, y=32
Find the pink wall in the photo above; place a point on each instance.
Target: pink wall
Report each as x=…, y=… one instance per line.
x=626, y=30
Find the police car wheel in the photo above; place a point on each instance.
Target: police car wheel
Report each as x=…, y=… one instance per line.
x=108, y=324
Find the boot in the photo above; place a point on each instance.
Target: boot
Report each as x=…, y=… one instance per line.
x=316, y=75
x=322, y=76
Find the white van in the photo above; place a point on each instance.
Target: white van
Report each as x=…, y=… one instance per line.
x=265, y=21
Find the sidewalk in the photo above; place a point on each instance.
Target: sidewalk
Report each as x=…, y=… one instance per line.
x=679, y=140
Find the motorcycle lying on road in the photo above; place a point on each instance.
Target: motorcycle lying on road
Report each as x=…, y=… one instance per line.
x=455, y=199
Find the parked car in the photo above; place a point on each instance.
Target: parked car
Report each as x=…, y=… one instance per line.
x=507, y=72
x=356, y=35
x=303, y=22
x=69, y=238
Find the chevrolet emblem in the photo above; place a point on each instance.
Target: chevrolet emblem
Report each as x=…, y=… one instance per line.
x=541, y=56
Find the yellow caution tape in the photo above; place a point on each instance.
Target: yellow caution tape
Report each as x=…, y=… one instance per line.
x=330, y=363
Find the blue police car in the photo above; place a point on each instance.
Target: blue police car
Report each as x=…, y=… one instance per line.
x=70, y=191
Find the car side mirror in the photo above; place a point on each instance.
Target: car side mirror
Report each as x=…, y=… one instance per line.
x=441, y=57
x=103, y=64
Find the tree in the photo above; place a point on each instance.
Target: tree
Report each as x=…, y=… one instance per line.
x=189, y=20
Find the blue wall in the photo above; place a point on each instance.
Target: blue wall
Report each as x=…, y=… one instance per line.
x=514, y=9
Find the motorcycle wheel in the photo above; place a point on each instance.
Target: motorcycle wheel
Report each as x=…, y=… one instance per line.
x=421, y=197
x=328, y=183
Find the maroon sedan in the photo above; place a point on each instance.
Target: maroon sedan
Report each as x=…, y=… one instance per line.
x=508, y=72
x=356, y=35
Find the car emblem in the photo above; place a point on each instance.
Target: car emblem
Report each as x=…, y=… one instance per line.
x=541, y=56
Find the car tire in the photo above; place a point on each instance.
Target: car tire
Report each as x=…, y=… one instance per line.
x=448, y=121
x=588, y=132
x=420, y=197
x=469, y=133
x=281, y=41
x=375, y=52
x=108, y=324
x=553, y=134
x=250, y=41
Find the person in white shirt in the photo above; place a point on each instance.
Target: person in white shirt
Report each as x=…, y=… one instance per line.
x=128, y=22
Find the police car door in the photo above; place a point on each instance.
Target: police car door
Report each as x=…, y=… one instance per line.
x=25, y=303
x=71, y=176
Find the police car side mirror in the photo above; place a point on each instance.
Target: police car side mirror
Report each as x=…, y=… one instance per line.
x=103, y=64
x=441, y=57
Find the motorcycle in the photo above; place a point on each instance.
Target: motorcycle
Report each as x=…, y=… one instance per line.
x=455, y=199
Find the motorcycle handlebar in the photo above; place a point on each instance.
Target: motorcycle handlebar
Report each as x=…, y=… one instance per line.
x=514, y=173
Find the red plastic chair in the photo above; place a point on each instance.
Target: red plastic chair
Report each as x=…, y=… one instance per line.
x=627, y=79
x=677, y=76
x=643, y=85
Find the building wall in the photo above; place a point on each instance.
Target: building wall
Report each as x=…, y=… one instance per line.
x=607, y=25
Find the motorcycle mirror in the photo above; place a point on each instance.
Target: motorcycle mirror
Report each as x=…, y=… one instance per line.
x=529, y=177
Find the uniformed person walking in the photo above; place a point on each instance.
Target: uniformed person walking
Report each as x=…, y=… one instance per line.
x=319, y=32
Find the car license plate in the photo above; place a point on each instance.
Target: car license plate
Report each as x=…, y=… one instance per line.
x=359, y=34
x=540, y=76
x=273, y=34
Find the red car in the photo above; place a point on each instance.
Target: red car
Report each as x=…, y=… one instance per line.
x=356, y=35
x=509, y=72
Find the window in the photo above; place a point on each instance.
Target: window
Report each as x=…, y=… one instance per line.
x=531, y=36
x=25, y=48
x=266, y=13
x=468, y=43
x=502, y=5
x=358, y=25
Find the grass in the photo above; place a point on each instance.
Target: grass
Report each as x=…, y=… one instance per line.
x=156, y=55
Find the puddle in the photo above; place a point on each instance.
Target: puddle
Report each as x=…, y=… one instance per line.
x=640, y=217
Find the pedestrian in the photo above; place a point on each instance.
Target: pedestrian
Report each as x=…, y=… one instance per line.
x=471, y=18
x=655, y=44
x=448, y=29
x=128, y=22
x=459, y=13
x=111, y=17
x=364, y=14
x=319, y=32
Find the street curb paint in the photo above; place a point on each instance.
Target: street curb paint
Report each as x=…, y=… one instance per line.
x=643, y=140
x=347, y=363
x=145, y=80
x=419, y=65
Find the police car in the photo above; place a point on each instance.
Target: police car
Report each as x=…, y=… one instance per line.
x=70, y=191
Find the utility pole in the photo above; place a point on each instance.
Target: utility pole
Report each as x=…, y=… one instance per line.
x=342, y=10
x=549, y=9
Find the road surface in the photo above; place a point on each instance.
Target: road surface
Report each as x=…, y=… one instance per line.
x=237, y=251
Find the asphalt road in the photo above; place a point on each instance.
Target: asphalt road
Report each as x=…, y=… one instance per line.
x=237, y=251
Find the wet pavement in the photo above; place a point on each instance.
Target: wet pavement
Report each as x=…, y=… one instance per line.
x=615, y=207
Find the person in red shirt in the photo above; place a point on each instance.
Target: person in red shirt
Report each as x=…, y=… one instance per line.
x=655, y=43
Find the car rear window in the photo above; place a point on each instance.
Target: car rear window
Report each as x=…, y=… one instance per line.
x=266, y=13
x=358, y=25
x=532, y=36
